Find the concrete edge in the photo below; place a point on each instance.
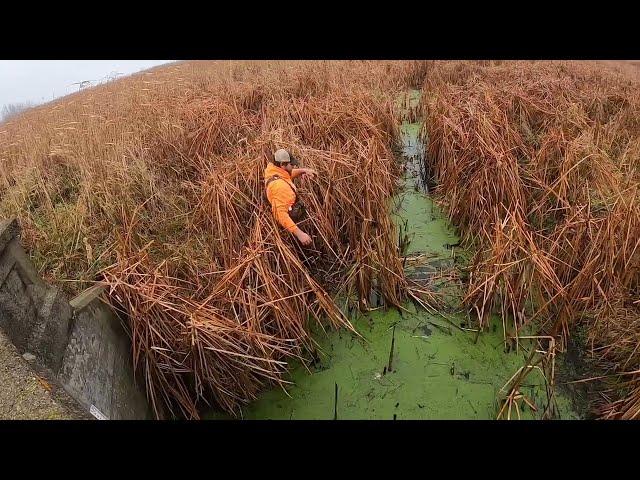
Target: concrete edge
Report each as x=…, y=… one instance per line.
x=87, y=331
x=87, y=297
x=9, y=229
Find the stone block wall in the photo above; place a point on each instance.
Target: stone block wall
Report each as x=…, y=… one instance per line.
x=82, y=341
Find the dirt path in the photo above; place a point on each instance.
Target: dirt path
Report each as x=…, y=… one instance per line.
x=26, y=393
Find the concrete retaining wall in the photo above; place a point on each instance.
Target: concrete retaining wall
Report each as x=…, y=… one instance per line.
x=81, y=341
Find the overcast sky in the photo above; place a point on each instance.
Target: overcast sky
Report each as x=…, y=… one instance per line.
x=40, y=81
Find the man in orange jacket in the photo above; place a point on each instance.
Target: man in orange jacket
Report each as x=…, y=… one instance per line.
x=281, y=192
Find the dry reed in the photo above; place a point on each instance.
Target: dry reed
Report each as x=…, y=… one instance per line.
x=538, y=163
x=153, y=185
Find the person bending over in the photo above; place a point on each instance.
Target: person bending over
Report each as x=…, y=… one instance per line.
x=282, y=195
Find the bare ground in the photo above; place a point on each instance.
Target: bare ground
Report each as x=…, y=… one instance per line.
x=28, y=392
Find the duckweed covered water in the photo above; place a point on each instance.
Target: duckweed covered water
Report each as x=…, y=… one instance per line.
x=434, y=372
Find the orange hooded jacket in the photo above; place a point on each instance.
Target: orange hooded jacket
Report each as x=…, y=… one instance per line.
x=281, y=194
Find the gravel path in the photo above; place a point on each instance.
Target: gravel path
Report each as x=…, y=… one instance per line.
x=27, y=393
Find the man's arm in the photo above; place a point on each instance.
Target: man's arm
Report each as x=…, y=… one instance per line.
x=296, y=172
x=281, y=212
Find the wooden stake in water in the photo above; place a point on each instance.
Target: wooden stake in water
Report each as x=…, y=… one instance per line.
x=393, y=339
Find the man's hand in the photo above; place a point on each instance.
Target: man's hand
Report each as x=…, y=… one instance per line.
x=302, y=237
x=310, y=172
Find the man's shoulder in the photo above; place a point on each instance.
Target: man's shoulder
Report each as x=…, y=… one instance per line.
x=270, y=170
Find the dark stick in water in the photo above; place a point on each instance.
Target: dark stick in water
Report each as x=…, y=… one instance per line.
x=393, y=339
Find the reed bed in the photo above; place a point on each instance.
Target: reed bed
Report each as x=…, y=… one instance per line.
x=538, y=163
x=152, y=185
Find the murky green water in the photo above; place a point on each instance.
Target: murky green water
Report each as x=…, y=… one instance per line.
x=434, y=375
x=435, y=370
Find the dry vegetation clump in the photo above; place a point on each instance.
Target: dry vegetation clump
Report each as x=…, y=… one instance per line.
x=152, y=184
x=539, y=164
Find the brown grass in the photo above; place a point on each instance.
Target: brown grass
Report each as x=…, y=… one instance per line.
x=153, y=185
x=539, y=164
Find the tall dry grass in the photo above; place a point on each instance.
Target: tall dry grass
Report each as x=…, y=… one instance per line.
x=152, y=185
x=539, y=164
x=84, y=156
